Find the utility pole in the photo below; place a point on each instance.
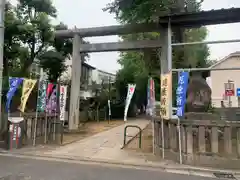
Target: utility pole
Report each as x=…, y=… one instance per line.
x=2, y=14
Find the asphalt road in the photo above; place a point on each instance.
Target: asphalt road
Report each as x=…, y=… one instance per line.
x=13, y=168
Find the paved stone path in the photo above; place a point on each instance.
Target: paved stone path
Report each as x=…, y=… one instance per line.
x=105, y=145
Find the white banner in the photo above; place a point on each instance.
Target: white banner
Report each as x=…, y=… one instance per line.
x=131, y=89
x=62, y=102
x=109, y=108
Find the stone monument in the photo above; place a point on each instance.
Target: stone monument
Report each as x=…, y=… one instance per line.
x=198, y=98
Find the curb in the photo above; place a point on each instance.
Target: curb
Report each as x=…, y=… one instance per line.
x=176, y=169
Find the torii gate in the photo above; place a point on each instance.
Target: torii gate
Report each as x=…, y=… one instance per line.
x=164, y=26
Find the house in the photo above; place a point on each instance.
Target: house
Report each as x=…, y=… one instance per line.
x=89, y=74
x=219, y=78
x=86, y=77
x=100, y=76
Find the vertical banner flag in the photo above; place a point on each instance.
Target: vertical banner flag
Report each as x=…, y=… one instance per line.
x=28, y=85
x=109, y=107
x=52, y=99
x=148, y=99
x=14, y=83
x=166, y=95
x=131, y=89
x=41, y=106
x=151, y=97
x=50, y=87
x=181, y=92
x=62, y=101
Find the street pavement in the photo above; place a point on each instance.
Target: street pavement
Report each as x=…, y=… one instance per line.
x=102, y=146
x=14, y=168
x=103, y=149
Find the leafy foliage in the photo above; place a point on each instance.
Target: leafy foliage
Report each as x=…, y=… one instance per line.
x=138, y=66
x=29, y=36
x=37, y=32
x=53, y=64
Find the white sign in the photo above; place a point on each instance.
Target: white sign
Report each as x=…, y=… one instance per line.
x=62, y=102
x=15, y=119
x=131, y=89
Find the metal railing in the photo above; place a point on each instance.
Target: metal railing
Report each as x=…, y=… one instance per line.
x=139, y=135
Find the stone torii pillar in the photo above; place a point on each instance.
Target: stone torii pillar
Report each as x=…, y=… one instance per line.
x=166, y=54
x=75, y=84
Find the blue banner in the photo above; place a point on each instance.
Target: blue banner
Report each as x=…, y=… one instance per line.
x=182, y=92
x=14, y=83
x=148, y=97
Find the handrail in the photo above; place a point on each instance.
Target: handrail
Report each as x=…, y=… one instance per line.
x=125, y=135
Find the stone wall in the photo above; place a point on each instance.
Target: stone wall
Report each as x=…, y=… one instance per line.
x=212, y=143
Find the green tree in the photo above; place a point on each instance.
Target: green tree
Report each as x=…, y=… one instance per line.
x=28, y=32
x=61, y=51
x=37, y=32
x=137, y=66
x=53, y=63
x=12, y=44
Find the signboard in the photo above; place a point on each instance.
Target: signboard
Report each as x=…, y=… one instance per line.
x=166, y=95
x=229, y=89
x=15, y=132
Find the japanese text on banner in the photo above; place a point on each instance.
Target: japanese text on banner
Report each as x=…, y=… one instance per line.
x=166, y=95
x=62, y=101
x=181, y=92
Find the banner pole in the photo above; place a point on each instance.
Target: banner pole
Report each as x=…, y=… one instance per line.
x=55, y=115
x=153, y=135
x=179, y=136
x=46, y=118
x=36, y=115
x=46, y=128
x=163, y=142
x=180, y=142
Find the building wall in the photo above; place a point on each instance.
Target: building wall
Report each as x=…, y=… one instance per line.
x=89, y=74
x=218, y=78
x=100, y=76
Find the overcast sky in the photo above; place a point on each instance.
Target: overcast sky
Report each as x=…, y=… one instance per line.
x=88, y=13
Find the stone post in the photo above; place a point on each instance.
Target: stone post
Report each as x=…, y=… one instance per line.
x=214, y=139
x=173, y=137
x=201, y=139
x=227, y=137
